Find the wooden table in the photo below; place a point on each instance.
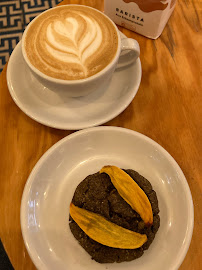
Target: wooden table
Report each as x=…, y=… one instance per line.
x=167, y=108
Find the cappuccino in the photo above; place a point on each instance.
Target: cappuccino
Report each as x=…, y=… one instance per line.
x=71, y=42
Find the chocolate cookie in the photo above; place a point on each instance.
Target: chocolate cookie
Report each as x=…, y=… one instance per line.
x=97, y=194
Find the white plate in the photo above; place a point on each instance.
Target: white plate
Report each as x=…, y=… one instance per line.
x=62, y=112
x=50, y=187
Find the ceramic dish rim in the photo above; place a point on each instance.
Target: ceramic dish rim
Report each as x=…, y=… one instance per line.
x=189, y=230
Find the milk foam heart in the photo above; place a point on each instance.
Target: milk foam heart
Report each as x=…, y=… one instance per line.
x=71, y=42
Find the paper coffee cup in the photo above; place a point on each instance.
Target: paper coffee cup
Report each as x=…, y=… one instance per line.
x=146, y=17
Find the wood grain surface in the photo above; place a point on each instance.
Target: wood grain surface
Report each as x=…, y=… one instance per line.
x=167, y=108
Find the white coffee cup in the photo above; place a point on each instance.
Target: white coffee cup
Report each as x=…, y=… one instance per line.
x=82, y=87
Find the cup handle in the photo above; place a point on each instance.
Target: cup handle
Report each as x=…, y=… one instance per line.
x=130, y=51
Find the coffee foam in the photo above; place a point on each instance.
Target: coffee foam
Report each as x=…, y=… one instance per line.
x=71, y=42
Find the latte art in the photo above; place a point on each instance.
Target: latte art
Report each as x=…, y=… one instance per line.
x=71, y=42
x=66, y=42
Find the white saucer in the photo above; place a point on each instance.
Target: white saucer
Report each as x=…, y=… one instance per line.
x=51, y=185
x=50, y=109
